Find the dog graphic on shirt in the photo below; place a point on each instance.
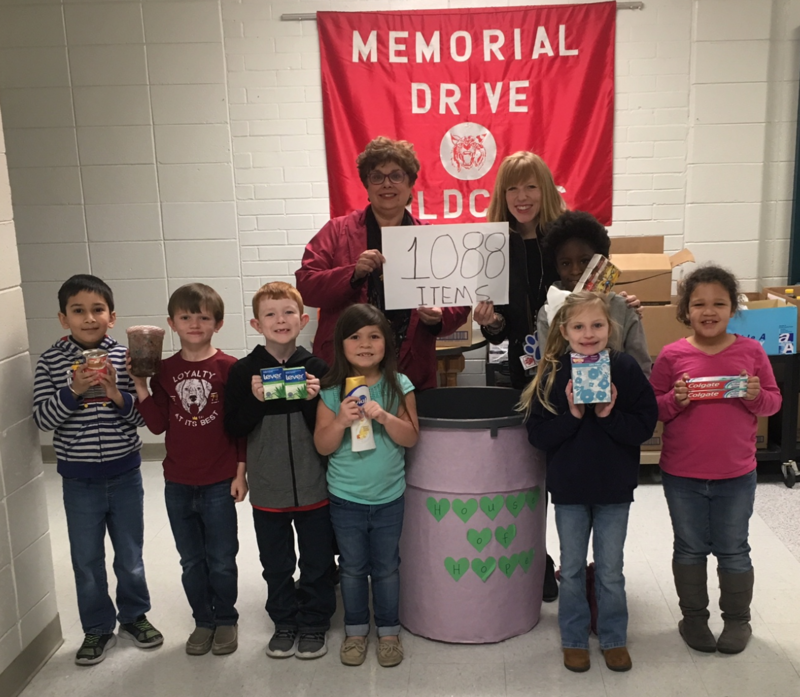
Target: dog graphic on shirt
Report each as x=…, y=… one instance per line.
x=193, y=393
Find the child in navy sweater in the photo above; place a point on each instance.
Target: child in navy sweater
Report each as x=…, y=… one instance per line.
x=592, y=470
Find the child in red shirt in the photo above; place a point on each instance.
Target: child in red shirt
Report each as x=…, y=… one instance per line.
x=204, y=469
x=708, y=459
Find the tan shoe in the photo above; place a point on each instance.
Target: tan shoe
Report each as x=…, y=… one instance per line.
x=226, y=640
x=354, y=650
x=199, y=641
x=577, y=660
x=618, y=659
x=390, y=653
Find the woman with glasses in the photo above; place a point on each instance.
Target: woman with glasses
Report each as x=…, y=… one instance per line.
x=343, y=264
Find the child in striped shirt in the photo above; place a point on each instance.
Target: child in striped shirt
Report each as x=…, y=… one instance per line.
x=90, y=407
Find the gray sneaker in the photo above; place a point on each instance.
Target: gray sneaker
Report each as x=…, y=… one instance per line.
x=199, y=641
x=282, y=643
x=94, y=648
x=312, y=645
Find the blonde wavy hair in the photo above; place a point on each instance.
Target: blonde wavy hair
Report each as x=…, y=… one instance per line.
x=517, y=169
x=541, y=386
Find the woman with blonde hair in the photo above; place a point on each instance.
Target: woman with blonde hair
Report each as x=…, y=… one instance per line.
x=526, y=196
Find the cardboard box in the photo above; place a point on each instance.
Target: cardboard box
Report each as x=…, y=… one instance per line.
x=779, y=293
x=459, y=338
x=646, y=271
x=661, y=327
x=771, y=322
x=654, y=444
x=761, y=433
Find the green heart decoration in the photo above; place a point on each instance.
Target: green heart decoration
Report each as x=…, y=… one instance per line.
x=484, y=568
x=526, y=559
x=505, y=536
x=456, y=568
x=465, y=509
x=532, y=497
x=491, y=507
x=508, y=564
x=479, y=538
x=438, y=509
x=515, y=503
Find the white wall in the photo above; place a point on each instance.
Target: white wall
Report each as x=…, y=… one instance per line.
x=159, y=142
x=27, y=588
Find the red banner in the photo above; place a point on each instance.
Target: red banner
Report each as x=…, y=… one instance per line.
x=468, y=87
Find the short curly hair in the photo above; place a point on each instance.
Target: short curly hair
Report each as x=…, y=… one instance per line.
x=382, y=150
x=705, y=274
x=576, y=225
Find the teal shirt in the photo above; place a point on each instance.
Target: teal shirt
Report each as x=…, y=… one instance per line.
x=371, y=477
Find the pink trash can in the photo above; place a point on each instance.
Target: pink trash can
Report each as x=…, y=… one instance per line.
x=473, y=544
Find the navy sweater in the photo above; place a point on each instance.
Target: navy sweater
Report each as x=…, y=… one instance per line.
x=593, y=460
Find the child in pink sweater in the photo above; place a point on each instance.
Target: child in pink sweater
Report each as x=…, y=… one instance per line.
x=708, y=458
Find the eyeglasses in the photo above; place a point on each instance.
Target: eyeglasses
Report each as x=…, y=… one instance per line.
x=396, y=176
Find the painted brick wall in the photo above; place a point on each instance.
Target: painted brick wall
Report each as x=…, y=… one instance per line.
x=155, y=142
x=27, y=585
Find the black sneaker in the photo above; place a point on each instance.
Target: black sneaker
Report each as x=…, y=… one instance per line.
x=94, y=648
x=312, y=645
x=141, y=633
x=550, y=588
x=282, y=643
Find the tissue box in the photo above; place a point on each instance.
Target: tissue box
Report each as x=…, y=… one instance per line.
x=295, y=381
x=591, y=378
x=272, y=379
x=718, y=387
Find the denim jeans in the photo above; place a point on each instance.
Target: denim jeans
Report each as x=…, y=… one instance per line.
x=311, y=606
x=93, y=506
x=608, y=524
x=204, y=525
x=369, y=546
x=711, y=516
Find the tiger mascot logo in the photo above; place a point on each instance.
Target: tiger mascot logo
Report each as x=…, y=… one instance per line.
x=468, y=151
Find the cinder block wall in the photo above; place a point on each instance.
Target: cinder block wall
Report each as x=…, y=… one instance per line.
x=29, y=626
x=158, y=142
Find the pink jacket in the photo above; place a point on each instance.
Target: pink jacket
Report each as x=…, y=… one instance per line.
x=324, y=282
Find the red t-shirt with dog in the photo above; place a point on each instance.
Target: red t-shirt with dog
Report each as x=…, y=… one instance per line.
x=188, y=403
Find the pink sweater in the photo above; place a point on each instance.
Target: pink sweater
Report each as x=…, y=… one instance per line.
x=714, y=439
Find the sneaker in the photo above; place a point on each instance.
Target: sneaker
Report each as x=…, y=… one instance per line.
x=311, y=645
x=199, y=641
x=94, y=648
x=141, y=633
x=354, y=650
x=282, y=643
x=226, y=640
x=390, y=653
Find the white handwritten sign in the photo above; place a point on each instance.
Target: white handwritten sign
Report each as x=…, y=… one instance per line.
x=445, y=265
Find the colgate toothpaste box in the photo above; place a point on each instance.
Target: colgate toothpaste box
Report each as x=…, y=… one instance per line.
x=718, y=387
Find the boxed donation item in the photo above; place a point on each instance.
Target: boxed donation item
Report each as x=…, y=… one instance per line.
x=718, y=387
x=294, y=380
x=272, y=380
x=591, y=378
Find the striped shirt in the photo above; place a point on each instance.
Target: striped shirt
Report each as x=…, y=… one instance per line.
x=93, y=437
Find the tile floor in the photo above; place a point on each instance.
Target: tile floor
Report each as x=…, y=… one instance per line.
x=526, y=665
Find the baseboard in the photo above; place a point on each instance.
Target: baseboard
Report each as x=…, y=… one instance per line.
x=150, y=452
x=20, y=672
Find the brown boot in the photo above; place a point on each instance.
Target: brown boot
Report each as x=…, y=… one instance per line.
x=691, y=583
x=735, y=595
x=618, y=659
x=576, y=660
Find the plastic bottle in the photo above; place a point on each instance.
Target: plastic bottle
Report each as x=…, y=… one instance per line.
x=361, y=435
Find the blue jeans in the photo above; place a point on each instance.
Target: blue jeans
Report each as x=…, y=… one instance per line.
x=204, y=524
x=93, y=506
x=609, y=525
x=711, y=516
x=369, y=546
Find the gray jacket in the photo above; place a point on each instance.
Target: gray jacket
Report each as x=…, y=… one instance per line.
x=631, y=333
